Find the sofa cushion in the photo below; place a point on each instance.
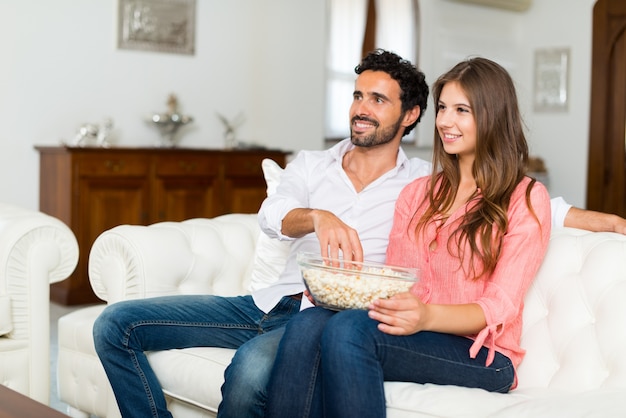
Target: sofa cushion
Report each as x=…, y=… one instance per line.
x=271, y=254
x=597, y=403
x=184, y=373
x=6, y=325
x=410, y=400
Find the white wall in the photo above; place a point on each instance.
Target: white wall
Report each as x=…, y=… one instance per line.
x=452, y=31
x=60, y=68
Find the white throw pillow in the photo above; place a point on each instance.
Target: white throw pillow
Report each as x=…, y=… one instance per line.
x=271, y=254
x=6, y=325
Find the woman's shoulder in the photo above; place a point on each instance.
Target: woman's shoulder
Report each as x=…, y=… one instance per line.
x=538, y=189
x=417, y=186
x=538, y=195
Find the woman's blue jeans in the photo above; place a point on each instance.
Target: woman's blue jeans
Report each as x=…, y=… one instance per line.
x=125, y=330
x=334, y=364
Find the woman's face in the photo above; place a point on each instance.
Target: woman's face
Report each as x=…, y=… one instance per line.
x=455, y=121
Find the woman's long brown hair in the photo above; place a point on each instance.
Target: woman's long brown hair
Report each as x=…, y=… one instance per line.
x=500, y=161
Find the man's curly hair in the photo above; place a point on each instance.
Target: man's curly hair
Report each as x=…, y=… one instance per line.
x=412, y=81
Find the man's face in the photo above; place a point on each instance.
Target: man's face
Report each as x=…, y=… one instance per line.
x=376, y=113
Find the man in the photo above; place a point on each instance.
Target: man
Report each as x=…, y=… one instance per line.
x=337, y=200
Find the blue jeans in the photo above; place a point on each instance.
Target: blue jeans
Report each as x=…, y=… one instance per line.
x=125, y=330
x=244, y=392
x=341, y=361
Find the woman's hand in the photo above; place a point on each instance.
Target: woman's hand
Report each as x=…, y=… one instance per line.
x=406, y=314
x=402, y=314
x=308, y=295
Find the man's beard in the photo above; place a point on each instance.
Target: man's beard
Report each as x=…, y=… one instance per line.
x=379, y=137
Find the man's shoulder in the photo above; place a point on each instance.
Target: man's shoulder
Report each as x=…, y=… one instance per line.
x=315, y=157
x=311, y=162
x=325, y=156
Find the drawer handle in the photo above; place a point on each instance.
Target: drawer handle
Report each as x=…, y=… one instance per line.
x=114, y=166
x=188, y=167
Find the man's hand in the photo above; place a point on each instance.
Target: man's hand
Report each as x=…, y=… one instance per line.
x=332, y=233
x=619, y=225
x=335, y=235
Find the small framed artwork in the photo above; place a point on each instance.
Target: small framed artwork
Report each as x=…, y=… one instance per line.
x=551, y=80
x=157, y=25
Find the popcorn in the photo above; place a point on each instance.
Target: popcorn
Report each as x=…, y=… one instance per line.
x=353, y=290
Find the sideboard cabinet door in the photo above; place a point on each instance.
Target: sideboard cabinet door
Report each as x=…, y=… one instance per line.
x=185, y=186
x=244, y=185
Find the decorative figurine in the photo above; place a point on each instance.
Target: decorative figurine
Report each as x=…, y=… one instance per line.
x=230, y=127
x=90, y=134
x=168, y=123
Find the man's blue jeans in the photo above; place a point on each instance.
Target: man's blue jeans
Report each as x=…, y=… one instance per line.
x=125, y=330
x=334, y=365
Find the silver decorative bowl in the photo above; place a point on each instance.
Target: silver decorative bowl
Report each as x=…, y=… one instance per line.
x=168, y=125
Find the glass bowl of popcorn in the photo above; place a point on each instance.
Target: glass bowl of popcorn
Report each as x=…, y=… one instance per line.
x=337, y=285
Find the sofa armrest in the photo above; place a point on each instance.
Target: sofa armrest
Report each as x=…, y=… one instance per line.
x=197, y=256
x=35, y=250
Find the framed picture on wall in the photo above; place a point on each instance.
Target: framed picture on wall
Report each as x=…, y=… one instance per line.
x=551, y=80
x=157, y=25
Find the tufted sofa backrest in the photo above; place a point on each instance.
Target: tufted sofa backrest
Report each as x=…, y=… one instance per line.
x=575, y=314
x=206, y=256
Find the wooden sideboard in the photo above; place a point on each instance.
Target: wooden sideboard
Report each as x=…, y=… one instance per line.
x=95, y=189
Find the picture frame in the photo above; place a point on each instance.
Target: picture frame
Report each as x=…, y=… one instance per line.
x=157, y=25
x=551, y=87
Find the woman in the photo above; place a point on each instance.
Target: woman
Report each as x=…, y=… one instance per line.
x=478, y=229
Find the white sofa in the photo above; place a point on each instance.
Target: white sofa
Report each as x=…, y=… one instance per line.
x=574, y=325
x=35, y=250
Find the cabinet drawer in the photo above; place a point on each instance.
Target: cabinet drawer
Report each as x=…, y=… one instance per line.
x=185, y=165
x=244, y=165
x=112, y=165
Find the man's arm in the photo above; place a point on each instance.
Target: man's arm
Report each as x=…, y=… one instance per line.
x=297, y=223
x=594, y=221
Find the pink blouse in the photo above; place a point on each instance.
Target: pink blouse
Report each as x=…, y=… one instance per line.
x=444, y=281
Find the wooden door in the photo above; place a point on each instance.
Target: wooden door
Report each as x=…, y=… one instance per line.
x=606, y=175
